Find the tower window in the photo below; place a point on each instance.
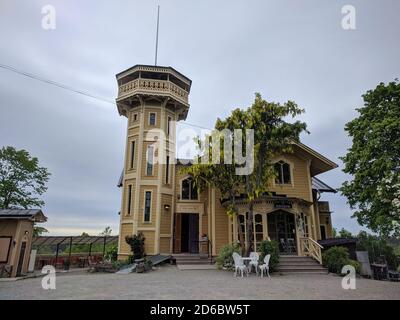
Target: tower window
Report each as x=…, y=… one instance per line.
x=147, y=207
x=283, y=172
x=189, y=190
x=150, y=159
x=152, y=119
x=167, y=171
x=129, y=198
x=132, y=154
x=135, y=117
x=169, y=125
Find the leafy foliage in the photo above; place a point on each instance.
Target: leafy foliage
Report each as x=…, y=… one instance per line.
x=111, y=253
x=377, y=247
x=136, y=242
x=335, y=258
x=224, y=259
x=356, y=265
x=374, y=162
x=38, y=231
x=343, y=233
x=272, y=248
x=106, y=232
x=22, y=180
x=272, y=136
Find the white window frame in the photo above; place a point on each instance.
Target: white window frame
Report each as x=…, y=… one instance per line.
x=155, y=118
x=144, y=205
x=147, y=159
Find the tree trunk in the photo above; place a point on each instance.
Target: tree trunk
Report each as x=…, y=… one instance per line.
x=250, y=229
x=241, y=238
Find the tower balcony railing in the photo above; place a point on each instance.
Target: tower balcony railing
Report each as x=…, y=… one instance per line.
x=156, y=87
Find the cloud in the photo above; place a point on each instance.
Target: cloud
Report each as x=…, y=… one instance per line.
x=282, y=49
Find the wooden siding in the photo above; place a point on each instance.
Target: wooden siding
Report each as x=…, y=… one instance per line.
x=126, y=230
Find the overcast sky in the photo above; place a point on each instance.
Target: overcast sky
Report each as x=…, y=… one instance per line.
x=284, y=49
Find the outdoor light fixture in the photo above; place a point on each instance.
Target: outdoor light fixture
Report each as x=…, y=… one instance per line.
x=166, y=207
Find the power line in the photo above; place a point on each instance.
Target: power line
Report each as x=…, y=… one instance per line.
x=54, y=83
x=65, y=87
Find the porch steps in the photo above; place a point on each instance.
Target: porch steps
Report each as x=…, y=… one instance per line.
x=296, y=264
x=192, y=259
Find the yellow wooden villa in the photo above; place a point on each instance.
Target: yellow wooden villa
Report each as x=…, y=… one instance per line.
x=163, y=203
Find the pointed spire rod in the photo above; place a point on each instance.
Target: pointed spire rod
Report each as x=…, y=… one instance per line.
x=158, y=22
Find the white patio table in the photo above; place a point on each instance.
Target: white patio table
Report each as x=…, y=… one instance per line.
x=246, y=261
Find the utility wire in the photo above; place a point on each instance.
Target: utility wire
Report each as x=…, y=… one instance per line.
x=57, y=84
x=65, y=87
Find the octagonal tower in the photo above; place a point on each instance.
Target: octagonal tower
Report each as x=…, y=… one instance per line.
x=153, y=98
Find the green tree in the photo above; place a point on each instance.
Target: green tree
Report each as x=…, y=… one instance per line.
x=106, y=232
x=374, y=161
x=22, y=180
x=38, y=231
x=343, y=233
x=273, y=135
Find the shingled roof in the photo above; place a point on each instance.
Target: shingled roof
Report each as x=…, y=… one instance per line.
x=32, y=214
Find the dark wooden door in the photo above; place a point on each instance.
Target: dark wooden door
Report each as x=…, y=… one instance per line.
x=21, y=259
x=177, y=232
x=194, y=233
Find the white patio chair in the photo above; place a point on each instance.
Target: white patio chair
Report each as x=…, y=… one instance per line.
x=265, y=266
x=254, y=261
x=239, y=264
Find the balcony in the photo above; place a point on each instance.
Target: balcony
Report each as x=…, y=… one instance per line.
x=153, y=87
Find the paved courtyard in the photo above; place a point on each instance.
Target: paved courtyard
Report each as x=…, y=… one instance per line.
x=167, y=282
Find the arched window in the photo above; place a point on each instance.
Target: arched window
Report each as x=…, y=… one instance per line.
x=283, y=172
x=189, y=190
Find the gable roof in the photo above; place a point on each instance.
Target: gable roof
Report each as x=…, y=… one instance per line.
x=319, y=163
x=35, y=215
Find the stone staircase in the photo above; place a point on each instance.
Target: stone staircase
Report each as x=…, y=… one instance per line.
x=192, y=259
x=296, y=264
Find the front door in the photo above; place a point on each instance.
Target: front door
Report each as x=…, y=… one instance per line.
x=190, y=233
x=21, y=259
x=282, y=228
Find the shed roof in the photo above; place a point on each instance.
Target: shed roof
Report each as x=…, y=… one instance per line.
x=31, y=214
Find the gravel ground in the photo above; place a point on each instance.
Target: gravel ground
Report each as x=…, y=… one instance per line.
x=167, y=282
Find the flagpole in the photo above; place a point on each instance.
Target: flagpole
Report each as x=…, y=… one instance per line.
x=158, y=21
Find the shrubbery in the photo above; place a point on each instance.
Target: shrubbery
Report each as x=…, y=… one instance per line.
x=111, y=253
x=136, y=242
x=224, y=259
x=272, y=248
x=336, y=258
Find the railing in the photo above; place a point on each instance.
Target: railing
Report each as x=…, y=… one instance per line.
x=311, y=248
x=209, y=248
x=153, y=86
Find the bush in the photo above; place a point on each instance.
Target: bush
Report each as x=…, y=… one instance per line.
x=272, y=248
x=377, y=247
x=136, y=242
x=224, y=259
x=335, y=258
x=111, y=253
x=356, y=265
